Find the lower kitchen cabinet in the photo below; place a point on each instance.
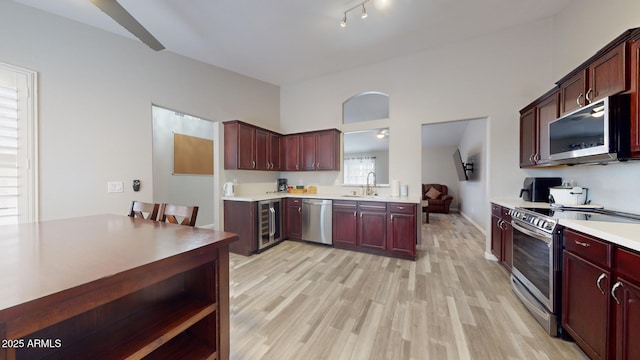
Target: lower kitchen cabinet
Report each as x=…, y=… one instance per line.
x=293, y=218
x=240, y=217
x=376, y=227
x=502, y=235
x=601, y=296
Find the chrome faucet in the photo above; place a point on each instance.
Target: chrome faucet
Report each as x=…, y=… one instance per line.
x=371, y=190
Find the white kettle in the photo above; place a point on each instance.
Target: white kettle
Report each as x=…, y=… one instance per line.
x=228, y=188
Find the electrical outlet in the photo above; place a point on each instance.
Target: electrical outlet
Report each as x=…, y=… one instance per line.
x=115, y=187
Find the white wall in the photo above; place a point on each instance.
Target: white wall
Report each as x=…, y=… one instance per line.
x=96, y=91
x=473, y=193
x=437, y=168
x=492, y=76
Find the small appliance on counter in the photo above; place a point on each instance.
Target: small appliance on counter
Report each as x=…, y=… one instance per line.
x=282, y=185
x=536, y=189
x=228, y=189
x=568, y=195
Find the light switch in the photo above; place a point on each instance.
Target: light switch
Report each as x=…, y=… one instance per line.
x=115, y=186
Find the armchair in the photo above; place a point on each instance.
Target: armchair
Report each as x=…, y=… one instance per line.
x=439, y=200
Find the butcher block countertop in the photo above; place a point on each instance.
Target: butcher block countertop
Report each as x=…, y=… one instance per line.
x=623, y=234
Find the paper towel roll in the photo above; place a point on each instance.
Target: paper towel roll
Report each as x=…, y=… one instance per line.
x=395, y=187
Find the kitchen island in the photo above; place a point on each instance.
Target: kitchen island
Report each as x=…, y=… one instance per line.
x=111, y=286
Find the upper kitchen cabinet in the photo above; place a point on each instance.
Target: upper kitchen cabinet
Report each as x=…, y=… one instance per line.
x=635, y=98
x=604, y=76
x=534, y=129
x=248, y=147
x=316, y=150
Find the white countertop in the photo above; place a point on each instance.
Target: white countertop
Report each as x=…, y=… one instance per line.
x=623, y=234
x=281, y=195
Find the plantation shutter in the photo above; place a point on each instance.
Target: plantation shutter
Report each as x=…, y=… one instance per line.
x=8, y=155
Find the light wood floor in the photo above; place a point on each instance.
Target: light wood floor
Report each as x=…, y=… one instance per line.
x=302, y=301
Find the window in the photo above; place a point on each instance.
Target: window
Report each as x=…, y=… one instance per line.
x=18, y=195
x=356, y=169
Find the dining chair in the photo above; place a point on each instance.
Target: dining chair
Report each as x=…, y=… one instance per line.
x=144, y=210
x=171, y=213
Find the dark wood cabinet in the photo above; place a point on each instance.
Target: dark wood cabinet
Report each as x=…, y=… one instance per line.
x=316, y=150
x=240, y=217
x=248, y=147
x=402, y=229
x=502, y=235
x=528, y=137
x=372, y=225
x=534, y=129
x=604, y=76
x=585, y=306
x=376, y=227
x=345, y=224
x=635, y=98
x=601, y=296
x=293, y=218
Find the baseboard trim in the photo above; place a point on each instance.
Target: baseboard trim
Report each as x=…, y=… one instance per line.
x=476, y=225
x=490, y=256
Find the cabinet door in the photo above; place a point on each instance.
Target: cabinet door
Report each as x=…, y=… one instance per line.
x=326, y=151
x=240, y=217
x=635, y=98
x=496, y=237
x=261, y=151
x=585, y=304
x=528, y=138
x=246, y=147
x=572, y=93
x=627, y=320
x=372, y=226
x=308, y=151
x=507, y=244
x=293, y=218
x=547, y=112
x=275, y=152
x=607, y=75
x=345, y=223
x=402, y=234
x=292, y=152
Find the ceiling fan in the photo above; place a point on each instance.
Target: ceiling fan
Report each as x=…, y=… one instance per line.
x=122, y=17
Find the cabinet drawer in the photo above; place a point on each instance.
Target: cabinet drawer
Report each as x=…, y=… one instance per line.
x=397, y=208
x=345, y=204
x=496, y=210
x=628, y=264
x=588, y=247
x=294, y=201
x=372, y=206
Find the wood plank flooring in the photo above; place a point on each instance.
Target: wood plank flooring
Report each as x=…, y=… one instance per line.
x=305, y=301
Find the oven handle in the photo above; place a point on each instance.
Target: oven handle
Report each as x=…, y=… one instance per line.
x=540, y=236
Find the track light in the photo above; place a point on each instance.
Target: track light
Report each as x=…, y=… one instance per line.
x=363, y=14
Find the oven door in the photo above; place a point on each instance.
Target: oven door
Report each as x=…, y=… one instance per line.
x=533, y=263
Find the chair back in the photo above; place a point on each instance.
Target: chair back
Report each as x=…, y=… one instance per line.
x=442, y=188
x=172, y=213
x=144, y=210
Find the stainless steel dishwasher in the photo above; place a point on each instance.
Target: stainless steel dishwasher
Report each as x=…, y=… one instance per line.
x=317, y=221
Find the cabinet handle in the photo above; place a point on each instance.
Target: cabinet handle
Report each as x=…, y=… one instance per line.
x=401, y=207
x=600, y=278
x=391, y=217
x=536, y=158
x=355, y=214
x=318, y=165
x=299, y=210
x=582, y=243
x=578, y=100
x=613, y=291
x=587, y=95
x=253, y=164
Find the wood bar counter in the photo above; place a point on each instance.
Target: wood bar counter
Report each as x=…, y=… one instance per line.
x=113, y=287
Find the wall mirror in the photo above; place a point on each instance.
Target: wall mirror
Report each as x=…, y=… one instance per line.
x=366, y=151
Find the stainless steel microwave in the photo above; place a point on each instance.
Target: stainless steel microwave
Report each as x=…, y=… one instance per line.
x=597, y=133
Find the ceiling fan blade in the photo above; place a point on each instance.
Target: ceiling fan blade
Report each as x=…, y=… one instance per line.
x=122, y=17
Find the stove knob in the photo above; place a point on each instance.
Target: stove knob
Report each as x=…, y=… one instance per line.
x=543, y=224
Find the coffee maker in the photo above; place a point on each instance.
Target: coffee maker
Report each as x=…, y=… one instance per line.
x=282, y=185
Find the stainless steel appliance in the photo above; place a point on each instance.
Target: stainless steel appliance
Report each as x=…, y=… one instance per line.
x=537, y=265
x=269, y=223
x=597, y=133
x=536, y=276
x=282, y=185
x=317, y=221
x=536, y=189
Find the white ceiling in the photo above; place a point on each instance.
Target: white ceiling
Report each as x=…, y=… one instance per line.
x=285, y=41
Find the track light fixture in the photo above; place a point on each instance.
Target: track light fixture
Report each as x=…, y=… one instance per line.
x=359, y=5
